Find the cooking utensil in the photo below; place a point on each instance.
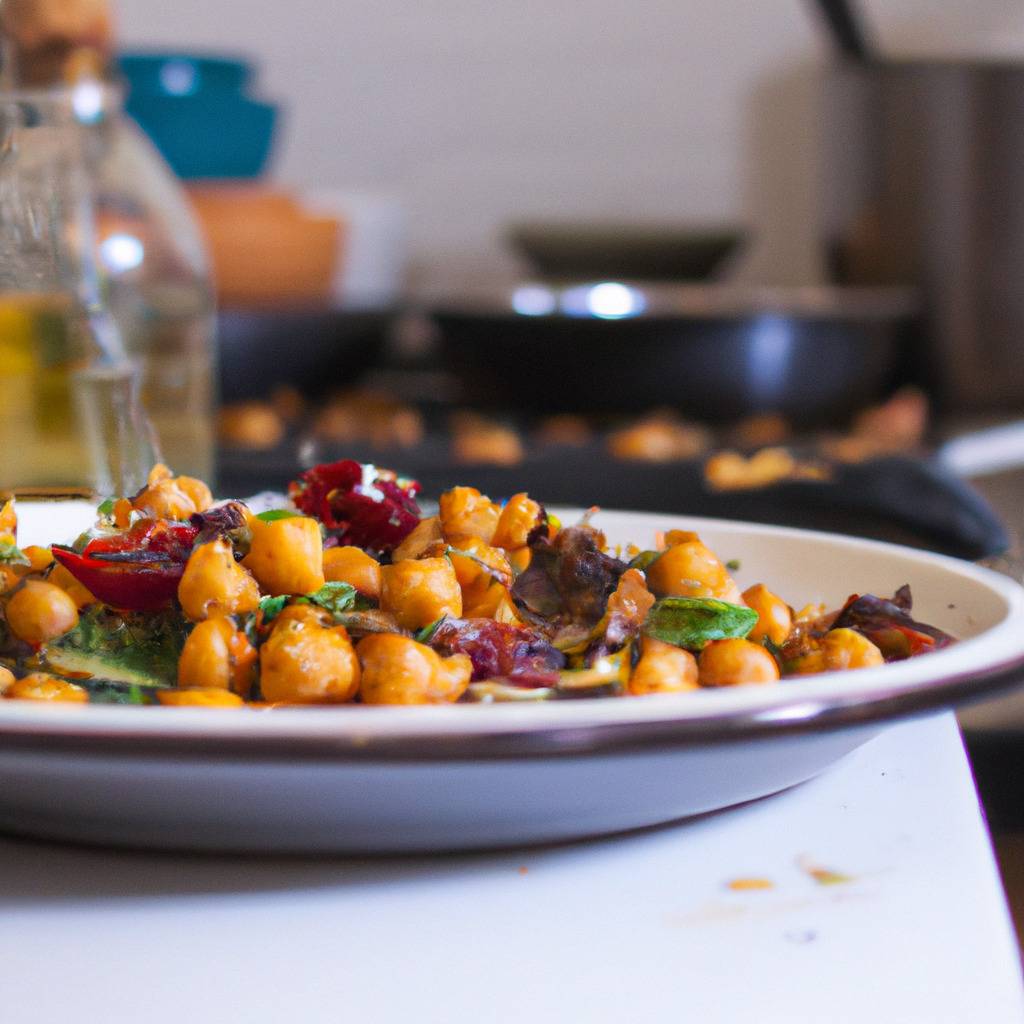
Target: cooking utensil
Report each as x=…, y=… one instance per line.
x=654, y=252
x=714, y=353
x=313, y=349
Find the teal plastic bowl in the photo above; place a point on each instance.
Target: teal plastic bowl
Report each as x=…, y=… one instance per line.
x=194, y=110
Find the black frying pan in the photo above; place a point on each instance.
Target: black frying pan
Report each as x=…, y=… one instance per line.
x=714, y=353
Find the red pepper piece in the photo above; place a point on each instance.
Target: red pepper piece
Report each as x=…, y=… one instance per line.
x=138, y=569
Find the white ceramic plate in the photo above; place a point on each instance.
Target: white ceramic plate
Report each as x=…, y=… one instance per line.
x=365, y=779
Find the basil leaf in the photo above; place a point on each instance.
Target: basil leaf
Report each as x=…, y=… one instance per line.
x=273, y=514
x=336, y=597
x=692, y=622
x=645, y=559
x=426, y=634
x=271, y=606
x=106, y=508
x=11, y=554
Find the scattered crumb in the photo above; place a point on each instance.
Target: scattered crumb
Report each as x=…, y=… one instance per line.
x=749, y=884
x=801, y=937
x=523, y=869
x=822, y=875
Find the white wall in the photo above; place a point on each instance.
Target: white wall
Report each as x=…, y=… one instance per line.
x=476, y=113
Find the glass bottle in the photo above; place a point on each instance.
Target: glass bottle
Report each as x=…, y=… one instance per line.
x=105, y=296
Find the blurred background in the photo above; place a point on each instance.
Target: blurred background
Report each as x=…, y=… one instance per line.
x=472, y=116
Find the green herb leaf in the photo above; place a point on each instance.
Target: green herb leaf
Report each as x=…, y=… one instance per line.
x=106, y=508
x=131, y=647
x=10, y=554
x=271, y=606
x=273, y=514
x=733, y=564
x=645, y=559
x=336, y=597
x=426, y=634
x=692, y=622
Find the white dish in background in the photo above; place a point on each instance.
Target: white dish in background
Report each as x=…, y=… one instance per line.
x=363, y=779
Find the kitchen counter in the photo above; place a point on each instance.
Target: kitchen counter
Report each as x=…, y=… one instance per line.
x=869, y=893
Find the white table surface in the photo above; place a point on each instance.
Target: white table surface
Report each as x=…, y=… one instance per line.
x=640, y=927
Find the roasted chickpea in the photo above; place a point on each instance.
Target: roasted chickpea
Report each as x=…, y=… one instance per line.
x=312, y=614
x=219, y=656
x=200, y=494
x=254, y=425
x=465, y=512
x=397, y=670
x=520, y=516
x=663, y=668
x=774, y=619
x=6, y=680
x=286, y=555
x=424, y=535
x=40, y=686
x=78, y=592
x=674, y=537
x=519, y=559
x=355, y=567
x=478, y=568
x=165, y=500
x=122, y=513
x=40, y=559
x=733, y=662
x=419, y=591
x=846, y=649
x=691, y=569
x=9, y=578
x=305, y=663
x=201, y=697
x=215, y=584
x=485, y=603
x=8, y=523
x=40, y=612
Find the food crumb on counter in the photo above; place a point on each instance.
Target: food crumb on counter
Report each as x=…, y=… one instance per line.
x=749, y=884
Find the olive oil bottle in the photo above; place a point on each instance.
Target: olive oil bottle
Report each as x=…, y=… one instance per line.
x=106, y=308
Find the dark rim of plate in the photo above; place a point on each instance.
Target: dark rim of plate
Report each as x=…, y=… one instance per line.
x=813, y=716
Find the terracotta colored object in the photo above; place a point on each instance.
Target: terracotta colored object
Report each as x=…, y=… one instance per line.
x=266, y=249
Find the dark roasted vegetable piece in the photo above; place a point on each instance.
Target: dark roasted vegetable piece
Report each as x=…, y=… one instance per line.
x=226, y=520
x=889, y=626
x=500, y=650
x=693, y=622
x=361, y=505
x=569, y=579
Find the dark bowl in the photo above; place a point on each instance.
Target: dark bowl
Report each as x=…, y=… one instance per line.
x=314, y=350
x=716, y=354
x=653, y=252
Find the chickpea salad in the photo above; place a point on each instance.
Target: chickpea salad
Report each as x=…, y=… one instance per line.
x=352, y=594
